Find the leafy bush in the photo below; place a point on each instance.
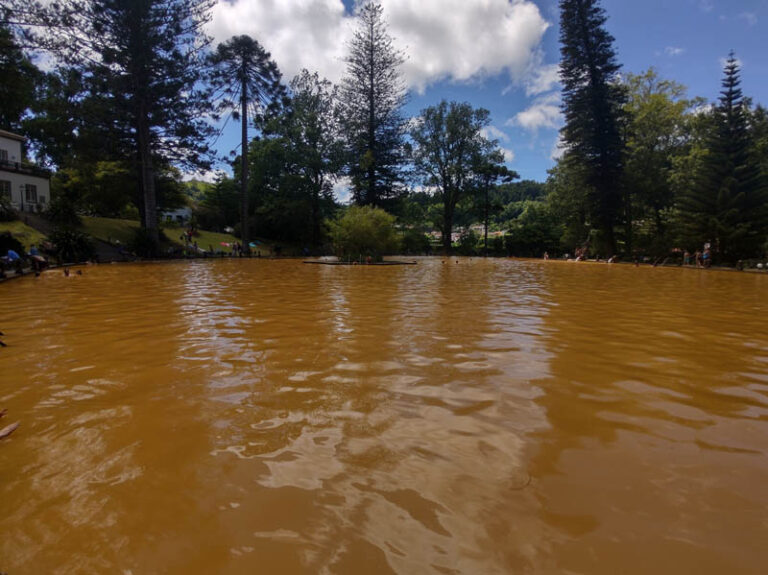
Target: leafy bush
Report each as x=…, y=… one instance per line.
x=71, y=245
x=364, y=231
x=534, y=232
x=467, y=244
x=415, y=242
x=7, y=213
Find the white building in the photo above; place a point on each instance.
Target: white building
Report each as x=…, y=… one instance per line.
x=27, y=186
x=180, y=216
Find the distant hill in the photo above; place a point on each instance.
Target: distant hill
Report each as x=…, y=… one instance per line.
x=195, y=189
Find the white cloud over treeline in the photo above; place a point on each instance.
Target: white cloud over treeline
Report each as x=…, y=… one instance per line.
x=455, y=40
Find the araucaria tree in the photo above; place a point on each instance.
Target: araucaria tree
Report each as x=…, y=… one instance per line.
x=451, y=155
x=592, y=105
x=372, y=95
x=141, y=61
x=246, y=77
x=728, y=204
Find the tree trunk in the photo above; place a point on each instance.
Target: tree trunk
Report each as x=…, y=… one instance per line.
x=147, y=173
x=316, y=214
x=628, y=216
x=244, y=235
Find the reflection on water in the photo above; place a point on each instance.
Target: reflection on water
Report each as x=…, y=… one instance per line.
x=470, y=417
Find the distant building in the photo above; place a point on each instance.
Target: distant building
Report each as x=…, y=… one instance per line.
x=180, y=216
x=28, y=187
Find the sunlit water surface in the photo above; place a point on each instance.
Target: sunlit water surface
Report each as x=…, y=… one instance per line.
x=473, y=417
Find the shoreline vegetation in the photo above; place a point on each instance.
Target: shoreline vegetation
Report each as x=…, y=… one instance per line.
x=642, y=170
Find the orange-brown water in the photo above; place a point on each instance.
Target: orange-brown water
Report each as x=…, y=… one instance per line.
x=249, y=417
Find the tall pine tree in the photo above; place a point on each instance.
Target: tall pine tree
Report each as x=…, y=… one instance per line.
x=728, y=205
x=592, y=106
x=141, y=63
x=372, y=96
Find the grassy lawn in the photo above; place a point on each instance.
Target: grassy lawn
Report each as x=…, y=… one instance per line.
x=22, y=232
x=107, y=229
x=110, y=229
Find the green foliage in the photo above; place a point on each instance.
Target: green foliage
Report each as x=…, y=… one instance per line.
x=592, y=105
x=220, y=205
x=449, y=153
x=363, y=231
x=414, y=241
x=63, y=125
x=518, y=192
x=19, y=79
x=7, y=213
x=71, y=245
x=567, y=201
x=140, y=67
x=658, y=132
x=727, y=204
x=295, y=164
x=196, y=190
x=536, y=231
x=65, y=198
x=467, y=244
x=371, y=99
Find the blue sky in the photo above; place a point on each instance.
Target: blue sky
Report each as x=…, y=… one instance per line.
x=502, y=55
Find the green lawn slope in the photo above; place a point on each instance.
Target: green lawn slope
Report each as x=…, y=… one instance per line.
x=111, y=229
x=27, y=235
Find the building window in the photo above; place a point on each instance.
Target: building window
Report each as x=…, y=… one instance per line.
x=30, y=194
x=3, y=155
x=5, y=189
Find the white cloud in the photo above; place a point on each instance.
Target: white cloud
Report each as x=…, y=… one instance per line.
x=209, y=176
x=543, y=79
x=557, y=150
x=749, y=17
x=444, y=39
x=342, y=189
x=543, y=113
x=706, y=5
x=673, y=51
x=298, y=33
x=493, y=133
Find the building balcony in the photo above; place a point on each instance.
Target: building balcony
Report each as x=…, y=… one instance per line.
x=26, y=169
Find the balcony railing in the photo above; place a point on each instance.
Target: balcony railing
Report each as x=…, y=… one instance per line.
x=22, y=168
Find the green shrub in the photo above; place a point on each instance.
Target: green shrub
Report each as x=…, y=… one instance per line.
x=71, y=245
x=467, y=244
x=364, y=231
x=415, y=242
x=7, y=213
x=63, y=211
